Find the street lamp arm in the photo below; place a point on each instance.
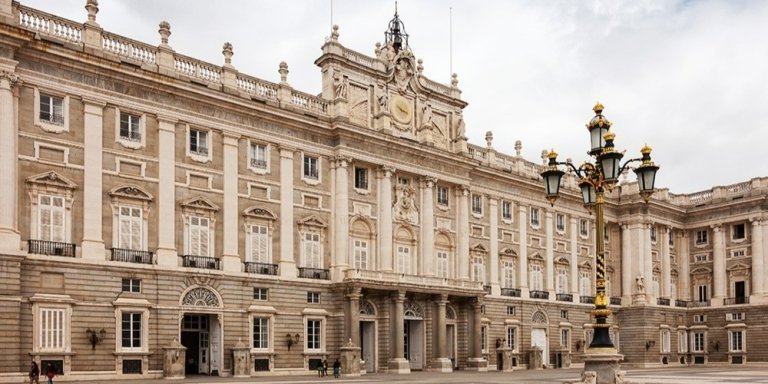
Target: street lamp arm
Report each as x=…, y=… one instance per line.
x=625, y=167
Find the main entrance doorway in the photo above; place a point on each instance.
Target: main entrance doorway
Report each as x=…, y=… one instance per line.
x=368, y=345
x=539, y=339
x=413, y=327
x=200, y=335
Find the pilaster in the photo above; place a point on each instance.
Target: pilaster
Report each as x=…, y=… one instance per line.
x=522, y=270
x=718, y=266
x=574, y=265
x=166, y=197
x=550, y=252
x=758, y=266
x=428, y=226
x=397, y=362
x=230, y=257
x=493, y=212
x=385, y=218
x=10, y=238
x=287, y=260
x=462, y=250
x=666, y=277
x=340, y=260
x=93, y=244
x=626, y=265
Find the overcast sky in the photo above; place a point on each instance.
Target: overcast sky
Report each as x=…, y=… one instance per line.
x=690, y=78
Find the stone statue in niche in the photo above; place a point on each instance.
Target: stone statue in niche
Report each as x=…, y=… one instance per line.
x=383, y=100
x=405, y=205
x=640, y=281
x=426, y=116
x=340, y=83
x=461, y=129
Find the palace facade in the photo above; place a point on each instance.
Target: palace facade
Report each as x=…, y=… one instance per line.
x=148, y=197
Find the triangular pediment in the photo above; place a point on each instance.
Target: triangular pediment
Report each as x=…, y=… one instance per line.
x=131, y=192
x=537, y=256
x=259, y=212
x=701, y=271
x=200, y=202
x=737, y=266
x=508, y=252
x=586, y=264
x=561, y=260
x=478, y=248
x=313, y=221
x=52, y=178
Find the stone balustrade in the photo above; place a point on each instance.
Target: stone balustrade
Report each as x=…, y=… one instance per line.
x=49, y=25
x=128, y=49
x=394, y=277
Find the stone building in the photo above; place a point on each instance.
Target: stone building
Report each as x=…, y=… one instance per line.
x=147, y=197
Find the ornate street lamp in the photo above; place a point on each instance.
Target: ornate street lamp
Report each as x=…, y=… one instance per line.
x=595, y=179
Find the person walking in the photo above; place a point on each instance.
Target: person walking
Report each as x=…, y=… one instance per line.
x=325, y=367
x=50, y=373
x=34, y=373
x=336, y=368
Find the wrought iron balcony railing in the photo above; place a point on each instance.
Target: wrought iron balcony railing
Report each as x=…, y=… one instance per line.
x=681, y=304
x=314, y=273
x=206, y=262
x=699, y=303
x=615, y=300
x=131, y=256
x=487, y=289
x=563, y=297
x=662, y=301
x=510, y=292
x=51, y=248
x=261, y=268
x=539, y=295
x=736, y=300
x=587, y=299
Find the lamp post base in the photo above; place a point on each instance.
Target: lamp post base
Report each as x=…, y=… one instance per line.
x=603, y=365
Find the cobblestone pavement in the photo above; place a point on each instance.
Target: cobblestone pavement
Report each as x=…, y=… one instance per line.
x=722, y=375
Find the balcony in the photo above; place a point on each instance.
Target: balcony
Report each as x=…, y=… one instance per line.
x=544, y=295
x=258, y=163
x=700, y=303
x=510, y=292
x=401, y=278
x=563, y=297
x=662, y=301
x=205, y=262
x=261, y=268
x=615, y=300
x=487, y=289
x=681, y=304
x=314, y=273
x=735, y=300
x=587, y=299
x=51, y=248
x=131, y=256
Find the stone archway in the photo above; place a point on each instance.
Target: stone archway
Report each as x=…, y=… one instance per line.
x=201, y=329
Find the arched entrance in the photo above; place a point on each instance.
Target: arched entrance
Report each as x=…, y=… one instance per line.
x=413, y=316
x=450, y=334
x=201, y=330
x=368, y=333
x=539, y=335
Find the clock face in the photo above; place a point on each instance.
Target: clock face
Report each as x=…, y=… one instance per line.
x=401, y=110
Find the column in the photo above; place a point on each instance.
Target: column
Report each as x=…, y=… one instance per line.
x=166, y=194
x=441, y=362
x=685, y=266
x=666, y=277
x=462, y=249
x=385, y=218
x=428, y=226
x=626, y=266
x=397, y=361
x=353, y=327
x=574, y=259
x=522, y=269
x=718, y=267
x=230, y=256
x=758, y=266
x=477, y=361
x=340, y=259
x=287, y=260
x=493, y=211
x=10, y=238
x=550, y=252
x=93, y=244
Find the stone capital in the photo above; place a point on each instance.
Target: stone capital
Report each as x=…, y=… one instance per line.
x=11, y=77
x=386, y=171
x=428, y=181
x=340, y=161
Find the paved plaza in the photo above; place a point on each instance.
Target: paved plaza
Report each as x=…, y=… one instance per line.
x=648, y=376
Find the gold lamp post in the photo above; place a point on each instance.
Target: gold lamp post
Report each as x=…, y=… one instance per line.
x=595, y=179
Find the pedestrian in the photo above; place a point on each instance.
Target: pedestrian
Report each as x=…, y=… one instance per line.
x=320, y=369
x=336, y=368
x=325, y=367
x=50, y=373
x=34, y=373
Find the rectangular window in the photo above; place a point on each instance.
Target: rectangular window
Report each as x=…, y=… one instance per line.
x=512, y=338
x=131, y=285
x=260, y=293
x=653, y=234
x=402, y=180
x=698, y=342
x=738, y=252
x=560, y=222
x=702, y=297
x=506, y=210
x=199, y=236
x=671, y=239
x=565, y=338
x=131, y=331
x=198, y=142
x=508, y=275
x=261, y=333
x=259, y=244
x=313, y=335
x=313, y=297
x=535, y=217
x=701, y=237
x=361, y=178
x=442, y=195
x=52, y=329
x=311, y=168
x=701, y=258
x=130, y=126
x=738, y=232
x=478, y=269
x=442, y=264
x=736, y=341
x=311, y=251
x=584, y=228
x=258, y=156
x=52, y=109
x=477, y=204
x=361, y=254
x=682, y=341
x=51, y=218
x=665, y=341
x=563, y=313
x=562, y=281
x=484, y=339
x=536, y=277
x=404, y=259
x=585, y=283
x=510, y=310
x=130, y=228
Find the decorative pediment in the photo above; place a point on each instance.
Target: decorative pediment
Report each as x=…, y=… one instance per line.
x=131, y=192
x=561, y=260
x=737, y=267
x=701, y=271
x=53, y=179
x=312, y=221
x=656, y=269
x=586, y=265
x=259, y=213
x=674, y=272
x=536, y=256
x=200, y=202
x=478, y=248
x=508, y=252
